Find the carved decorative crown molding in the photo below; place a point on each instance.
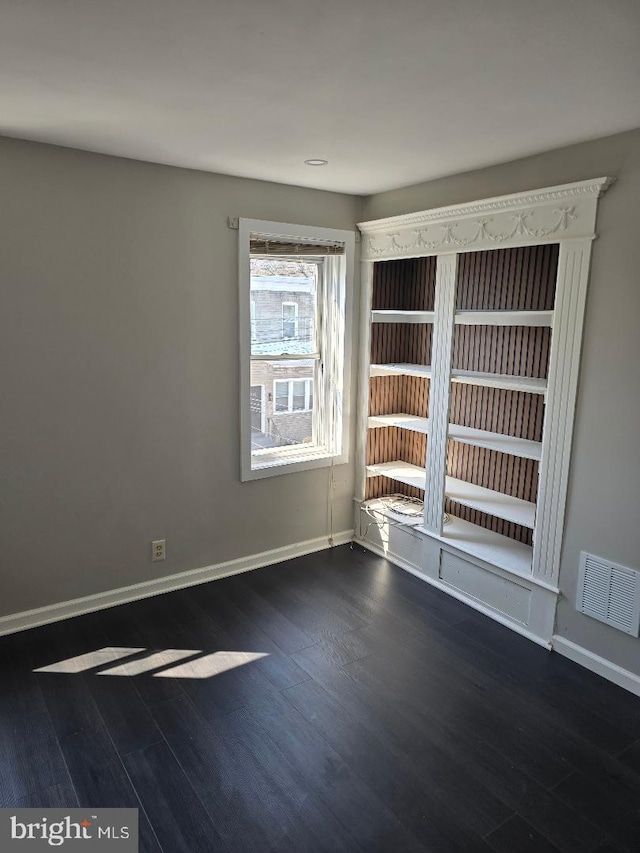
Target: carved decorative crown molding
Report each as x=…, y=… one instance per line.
x=543, y=215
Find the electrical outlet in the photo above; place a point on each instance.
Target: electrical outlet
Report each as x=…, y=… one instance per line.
x=158, y=550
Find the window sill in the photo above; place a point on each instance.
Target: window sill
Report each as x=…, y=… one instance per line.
x=291, y=463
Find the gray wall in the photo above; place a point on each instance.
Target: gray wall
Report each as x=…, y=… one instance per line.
x=119, y=375
x=603, y=512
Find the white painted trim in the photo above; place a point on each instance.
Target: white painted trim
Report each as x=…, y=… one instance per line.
x=440, y=392
x=362, y=404
x=454, y=593
x=336, y=340
x=601, y=666
x=563, y=192
x=102, y=600
x=542, y=216
x=562, y=389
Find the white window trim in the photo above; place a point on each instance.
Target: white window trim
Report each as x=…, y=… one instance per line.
x=308, y=385
x=298, y=458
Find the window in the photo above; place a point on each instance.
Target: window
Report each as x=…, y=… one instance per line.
x=294, y=395
x=295, y=284
x=289, y=320
x=254, y=325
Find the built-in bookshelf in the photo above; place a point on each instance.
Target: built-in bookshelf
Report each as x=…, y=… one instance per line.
x=471, y=337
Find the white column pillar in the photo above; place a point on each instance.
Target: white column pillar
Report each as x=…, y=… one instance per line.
x=366, y=289
x=440, y=392
x=564, y=361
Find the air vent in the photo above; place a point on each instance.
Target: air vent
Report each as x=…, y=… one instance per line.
x=609, y=592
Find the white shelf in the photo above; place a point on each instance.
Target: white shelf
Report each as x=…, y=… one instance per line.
x=385, y=316
x=423, y=370
x=403, y=472
x=500, y=380
x=486, y=545
x=489, y=440
x=504, y=318
x=478, y=437
x=494, y=503
x=411, y=422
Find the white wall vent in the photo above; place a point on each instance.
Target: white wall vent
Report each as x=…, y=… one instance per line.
x=609, y=592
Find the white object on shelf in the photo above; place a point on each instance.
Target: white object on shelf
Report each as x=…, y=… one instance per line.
x=423, y=370
x=386, y=316
x=503, y=318
x=402, y=421
x=487, y=500
x=500, y=380
x=491, y=440
x=494, y=548
x=381, y=506
x=403, y=472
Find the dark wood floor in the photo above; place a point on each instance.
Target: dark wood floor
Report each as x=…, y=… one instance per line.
x=385, y=716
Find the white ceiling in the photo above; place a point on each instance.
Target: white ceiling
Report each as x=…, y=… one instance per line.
x=391, y=92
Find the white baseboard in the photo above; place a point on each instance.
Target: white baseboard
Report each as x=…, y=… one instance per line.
x=455, y=593
x=611, y=671
x=66, y=609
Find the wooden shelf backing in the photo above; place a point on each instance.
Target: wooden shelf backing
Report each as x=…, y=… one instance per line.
x=490, y=440
x=389, y=316
x=403, y=472
x=494, y=503
x=494, y=548
x=403, y=421
x=500, y=380
x=423, y=370
x=504, y=318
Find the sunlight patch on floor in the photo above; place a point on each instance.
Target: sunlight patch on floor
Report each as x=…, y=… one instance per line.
x=152, y=661
x=210, y=665
x=201, y=666
x=90, y=660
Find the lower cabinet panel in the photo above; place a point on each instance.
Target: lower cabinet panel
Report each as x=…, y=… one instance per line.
x=499, y=593
x=516, y=602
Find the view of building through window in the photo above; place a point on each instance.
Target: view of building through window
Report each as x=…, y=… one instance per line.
x=284, y=350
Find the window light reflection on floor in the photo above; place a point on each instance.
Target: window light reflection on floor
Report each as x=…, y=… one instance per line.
x=152, y=661
x=210, y=665
x=90, y=660
x=200, y=666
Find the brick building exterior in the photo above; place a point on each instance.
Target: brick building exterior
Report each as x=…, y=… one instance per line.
x=283, y=313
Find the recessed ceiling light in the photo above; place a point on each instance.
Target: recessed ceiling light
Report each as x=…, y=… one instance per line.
x=316, y=162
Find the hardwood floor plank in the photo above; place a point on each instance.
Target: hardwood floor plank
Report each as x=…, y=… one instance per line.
x=420, y=800
x=61, y=796
x=288, y=636
x=100, y=780
x=517, y=835
x=344, y=793
x=179, y=819
x=31, y=761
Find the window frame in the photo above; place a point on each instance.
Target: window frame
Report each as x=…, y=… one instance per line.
x=308, y=395
x=332, y=392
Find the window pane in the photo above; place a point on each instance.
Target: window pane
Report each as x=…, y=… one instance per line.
x=298, y=395
x=282, y=396
x=275, y=383
x=285, y=294
x=289, y=316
